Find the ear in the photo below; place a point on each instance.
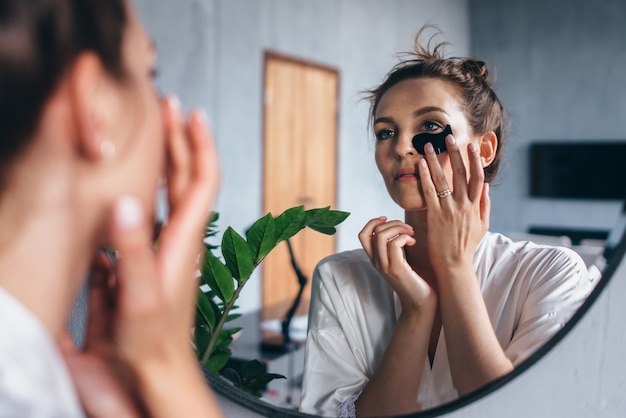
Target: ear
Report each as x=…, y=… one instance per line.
x=87, y=77
x=488, y=147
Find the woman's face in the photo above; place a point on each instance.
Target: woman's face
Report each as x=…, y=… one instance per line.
x=412, y=107
x=138, y=132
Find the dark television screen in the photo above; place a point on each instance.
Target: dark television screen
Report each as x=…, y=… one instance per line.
x=578, y=170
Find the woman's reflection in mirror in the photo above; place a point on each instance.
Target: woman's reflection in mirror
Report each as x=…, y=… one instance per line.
x=85, y=141
x=434, y=306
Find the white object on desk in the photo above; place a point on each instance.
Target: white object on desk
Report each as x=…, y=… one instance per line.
x=297, y=327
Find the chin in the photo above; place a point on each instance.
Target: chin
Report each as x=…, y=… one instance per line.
x=412, y=204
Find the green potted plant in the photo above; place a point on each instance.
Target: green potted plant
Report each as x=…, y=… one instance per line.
x=222, y=282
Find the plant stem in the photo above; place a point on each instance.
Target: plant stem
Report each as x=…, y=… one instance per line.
x=220, y=324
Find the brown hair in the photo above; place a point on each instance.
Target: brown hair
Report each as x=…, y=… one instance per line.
x=481, y=105
x=39, y=40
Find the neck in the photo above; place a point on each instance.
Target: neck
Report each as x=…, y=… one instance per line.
x=417, y=255
x=44, y=252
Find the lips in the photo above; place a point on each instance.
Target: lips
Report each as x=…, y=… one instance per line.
x=406, y=174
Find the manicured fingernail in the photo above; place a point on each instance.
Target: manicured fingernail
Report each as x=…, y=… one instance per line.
x=202, y=115
x=429, y=147
x=423, y=163
x=450, y=140
x=472, y=147
x=382, y=218
x=174, y=103
x=128, y=213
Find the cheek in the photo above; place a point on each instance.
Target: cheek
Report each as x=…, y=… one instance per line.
x=381, y=157
x=154, y=130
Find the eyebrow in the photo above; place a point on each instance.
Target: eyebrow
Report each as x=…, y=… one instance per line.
x=427, y=109
x=416, y=114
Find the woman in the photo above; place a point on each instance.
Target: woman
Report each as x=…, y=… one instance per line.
x=436, y=306
x=85, y=142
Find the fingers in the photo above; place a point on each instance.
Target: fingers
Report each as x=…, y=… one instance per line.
x=138, y=288
x=383, y=241
x=101, y=300
x=66, y=344
x=178, y=156
x=459, y=174
x=434, y=180
x=366, y=234
x=477, y=173
x=432, y=177
x=190, y=205
x=395, y=249
x=202, y=177
x=485, y=206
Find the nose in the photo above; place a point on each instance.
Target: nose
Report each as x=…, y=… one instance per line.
x=404, y=146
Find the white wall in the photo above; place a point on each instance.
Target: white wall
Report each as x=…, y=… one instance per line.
x=211, y=55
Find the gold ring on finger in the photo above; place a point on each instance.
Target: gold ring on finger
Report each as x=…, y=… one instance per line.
x=444, y=193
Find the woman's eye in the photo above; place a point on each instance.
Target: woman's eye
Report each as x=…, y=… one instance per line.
x=431, y=126
x=384, y=134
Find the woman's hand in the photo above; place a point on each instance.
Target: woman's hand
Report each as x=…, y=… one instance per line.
x=392, y=388
x=384, y=244
x=157, y=288
x=457, y=222
x=105, y=384
x=143, y=324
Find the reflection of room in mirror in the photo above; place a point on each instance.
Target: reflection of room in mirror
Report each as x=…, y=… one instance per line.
x=557, y=71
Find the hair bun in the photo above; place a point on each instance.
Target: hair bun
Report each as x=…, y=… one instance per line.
x=476, y=68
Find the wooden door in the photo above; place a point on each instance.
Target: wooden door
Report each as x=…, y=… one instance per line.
x=300, y=164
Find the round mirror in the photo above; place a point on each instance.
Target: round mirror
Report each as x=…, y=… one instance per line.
x=568, y=361
x=557, y=74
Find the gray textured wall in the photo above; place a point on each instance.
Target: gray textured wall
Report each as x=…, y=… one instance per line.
x=561, y=73
x=211, y=55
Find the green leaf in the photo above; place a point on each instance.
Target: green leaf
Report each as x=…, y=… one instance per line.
x=205, y=309
x=334, y=217
x=262, y=380
x=201, y=336
x=237, y=255
x=324, y=220
x=252, y=368
x=312, y=215
x=289, y=223
x=218, y=277
x=218, y=359
x=254, y=377
x=232, y=317
x=328, y=230
x=232, y=375
x=262, y=237
x=223, y=339
x=211, y=231
x=232, y=331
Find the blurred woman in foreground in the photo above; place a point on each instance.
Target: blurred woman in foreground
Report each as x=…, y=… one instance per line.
x=85, y=142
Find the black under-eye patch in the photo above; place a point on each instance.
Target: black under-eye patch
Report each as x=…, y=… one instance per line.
x=438, y=140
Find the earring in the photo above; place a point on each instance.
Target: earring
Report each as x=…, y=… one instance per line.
x=107, y=149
